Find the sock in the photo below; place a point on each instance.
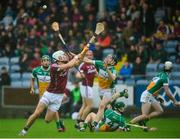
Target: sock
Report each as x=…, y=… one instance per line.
x=26, y=128
x=85, y=125
x=94, y=123
x=58, y=124
x=80, y=120
x=61, y=123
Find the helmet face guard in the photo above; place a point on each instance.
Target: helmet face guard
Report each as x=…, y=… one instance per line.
x=45, y=57
x=119, y=106
x=113, y=61
x=60, y=56
x=168, y=66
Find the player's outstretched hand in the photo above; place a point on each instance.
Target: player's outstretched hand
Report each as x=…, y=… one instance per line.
x=32, y=91
x=83, y=53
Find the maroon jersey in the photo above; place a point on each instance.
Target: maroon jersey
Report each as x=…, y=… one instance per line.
x=58, y=80
x=89, y=71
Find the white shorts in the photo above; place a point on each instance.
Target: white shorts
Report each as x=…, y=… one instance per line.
x=108, y=93
x=86, y=91
x=147, y=97
x=51, y=100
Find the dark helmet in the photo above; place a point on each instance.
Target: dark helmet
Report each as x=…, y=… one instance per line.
x=45, y=57
x=115, y=59
x=119, y=105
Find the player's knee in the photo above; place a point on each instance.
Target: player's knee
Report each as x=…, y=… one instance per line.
x=145, y=116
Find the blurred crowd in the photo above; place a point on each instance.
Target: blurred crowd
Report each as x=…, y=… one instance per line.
x=136, y=30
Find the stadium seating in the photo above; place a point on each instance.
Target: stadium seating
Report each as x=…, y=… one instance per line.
x=26, y=83
x=26, y=76
x=15, y=76
x=14, y=60
x=15, y=68
x=150, y=75
x=129, y=82
x=151, y=67
x=170, y=46
x=142, y=82
x=16, y=83
x=4, y=65
x=4, y=60
x=176, y=75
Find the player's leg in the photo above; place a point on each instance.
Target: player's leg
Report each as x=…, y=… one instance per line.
x=105, y=100
x=88, y=101
x=50, y=115
x=158, y=110
x=81, y=110
x=59, y=123
x=90, y=117
x=88, y=108
x=39, y=109
x=52, y=112
x=145, y=108
x=146, y=100
x=79, y=118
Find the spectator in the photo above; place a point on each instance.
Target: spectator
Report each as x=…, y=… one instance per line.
x=128, y=32
x=36, y=61
x=24, y=62
x=76, y=17
x=125, y=71
x=104, y=40
x=176, y=16
x=8, y=51
x=162, y=31
x=138, y=68
x=121, y=24
x=4, y=78
x=176, y=31
x=158, y=55
x=111, y=5
x=178, y=54
x=147, y=20
x=132, y=53
x=142, y=52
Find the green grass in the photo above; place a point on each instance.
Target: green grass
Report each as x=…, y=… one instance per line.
x=9, y=128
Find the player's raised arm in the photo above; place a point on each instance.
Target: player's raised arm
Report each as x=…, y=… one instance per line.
x=89, y=61
x=63, y=60
x=112, y=76
x=110, y=60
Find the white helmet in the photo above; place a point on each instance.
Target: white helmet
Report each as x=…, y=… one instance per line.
x=58, y=54
x=168, y=65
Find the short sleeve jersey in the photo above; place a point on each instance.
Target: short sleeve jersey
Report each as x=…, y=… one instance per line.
x=157, y=83
x=103, y=77
x=58, y=80
x=113, y=119
x=89, y=71
x=42, y=77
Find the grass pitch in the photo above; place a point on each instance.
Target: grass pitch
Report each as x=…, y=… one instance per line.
x=9, y=128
